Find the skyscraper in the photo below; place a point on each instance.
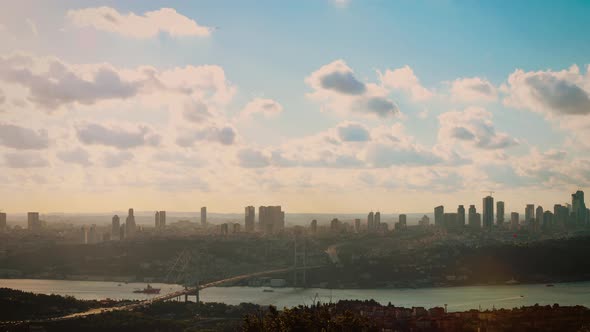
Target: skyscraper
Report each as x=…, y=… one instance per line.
x=461, y=216
x=204, y=216
x=539, y=217
x=488, y=212
x=115, y=228
x=439, y=212
x=357, y=225
x=529, y=213
x=271, y=219
x=249, y=218
x=314, y=226
x=579, y=207
x=83, y=235
x=370, y=221
x=162, y=223
x=474, y=218
x=377, y=220
x=547, y=222
x=33, y=222
x=514, y=220
x=2, y=221
x=500, y=213
x=130, y=225
x=157, y=220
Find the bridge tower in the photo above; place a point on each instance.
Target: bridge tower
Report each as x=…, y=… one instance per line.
x=184, y=272
x=300, y=261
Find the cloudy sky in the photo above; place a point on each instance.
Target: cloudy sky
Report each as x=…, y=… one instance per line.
x=318, y=105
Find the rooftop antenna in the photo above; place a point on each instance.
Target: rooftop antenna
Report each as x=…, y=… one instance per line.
x=489, y=191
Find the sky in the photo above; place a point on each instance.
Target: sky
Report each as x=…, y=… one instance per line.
x=316, y=105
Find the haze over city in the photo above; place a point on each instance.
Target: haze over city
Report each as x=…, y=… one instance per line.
x=320, y=106
x=294, y=165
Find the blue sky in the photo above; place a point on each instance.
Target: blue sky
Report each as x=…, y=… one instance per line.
x=275, y=131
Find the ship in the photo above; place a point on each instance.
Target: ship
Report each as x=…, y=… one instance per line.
x=148, y=290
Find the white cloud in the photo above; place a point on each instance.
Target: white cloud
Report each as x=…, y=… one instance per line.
x=20, y=138
x=263, y=106
x=116, y=159
x=75, y=156
x=353, y=132
x=337, y=87
x=251, y=158
x=93, y=133
x=52, y=83
x=148, y=25
x=341, y=3
x=405, y=79
x=24, y=160
x=225, y=135
x=473, y=89
x=473, y=127
x=565, y=92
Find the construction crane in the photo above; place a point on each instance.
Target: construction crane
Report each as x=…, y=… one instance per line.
x=489, y=191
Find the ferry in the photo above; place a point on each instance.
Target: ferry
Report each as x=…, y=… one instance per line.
x=148, y=290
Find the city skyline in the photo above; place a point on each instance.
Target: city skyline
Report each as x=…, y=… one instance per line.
x=179, y=105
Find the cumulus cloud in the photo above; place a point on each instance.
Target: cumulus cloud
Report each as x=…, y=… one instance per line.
x=565, y=92
x=225, y=135
x=52, y=83
x=75, y=156
x=196, y=111
x=405, y=79
x=251, y=158
x=148, y=25
x=94, y=133
x=474, y=127
x=473, y=89
x=336, y=85
x=116, y=159
x=263, y=106
x=353, y=132
x=24, y=160
x=21, y=138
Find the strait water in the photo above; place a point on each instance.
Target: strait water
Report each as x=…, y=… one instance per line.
x=457, y=298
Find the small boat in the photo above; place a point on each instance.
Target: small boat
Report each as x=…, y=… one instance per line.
x=550, y=285
x=148, y=290
x=268, y=290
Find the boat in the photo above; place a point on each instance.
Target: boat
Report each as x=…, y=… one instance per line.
x=148, y=290
x=550, y=285
x=268, y=290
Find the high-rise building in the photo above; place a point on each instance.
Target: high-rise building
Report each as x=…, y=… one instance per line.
x=314, y=226
x=357, y=225
x=461, y=216
x=130, y=225
x=424, y=221
x=488, y=212
x=514, y=220
x=236, y=228
x=529, y=213
x=83, y=235
x=122, y=231
x=474, y=218
x=33, y=222
x=547, y=222
x=249, y=218
x=2, y=222
x=579, y=207
x=439, y=212
x=377, y=220
x=160, y=220
x=271, y=219
x=335, y=225
x=539, y=216
x=370, y=221
x=115, y=228
x=450, y=220
x=500, y=213
x=204, y=216
x=402, y=222
x=224, y=228
x=92, y=235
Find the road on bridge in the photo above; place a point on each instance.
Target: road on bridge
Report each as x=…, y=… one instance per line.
x=166, y=297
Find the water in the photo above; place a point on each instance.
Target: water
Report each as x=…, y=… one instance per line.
x=457, y=298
